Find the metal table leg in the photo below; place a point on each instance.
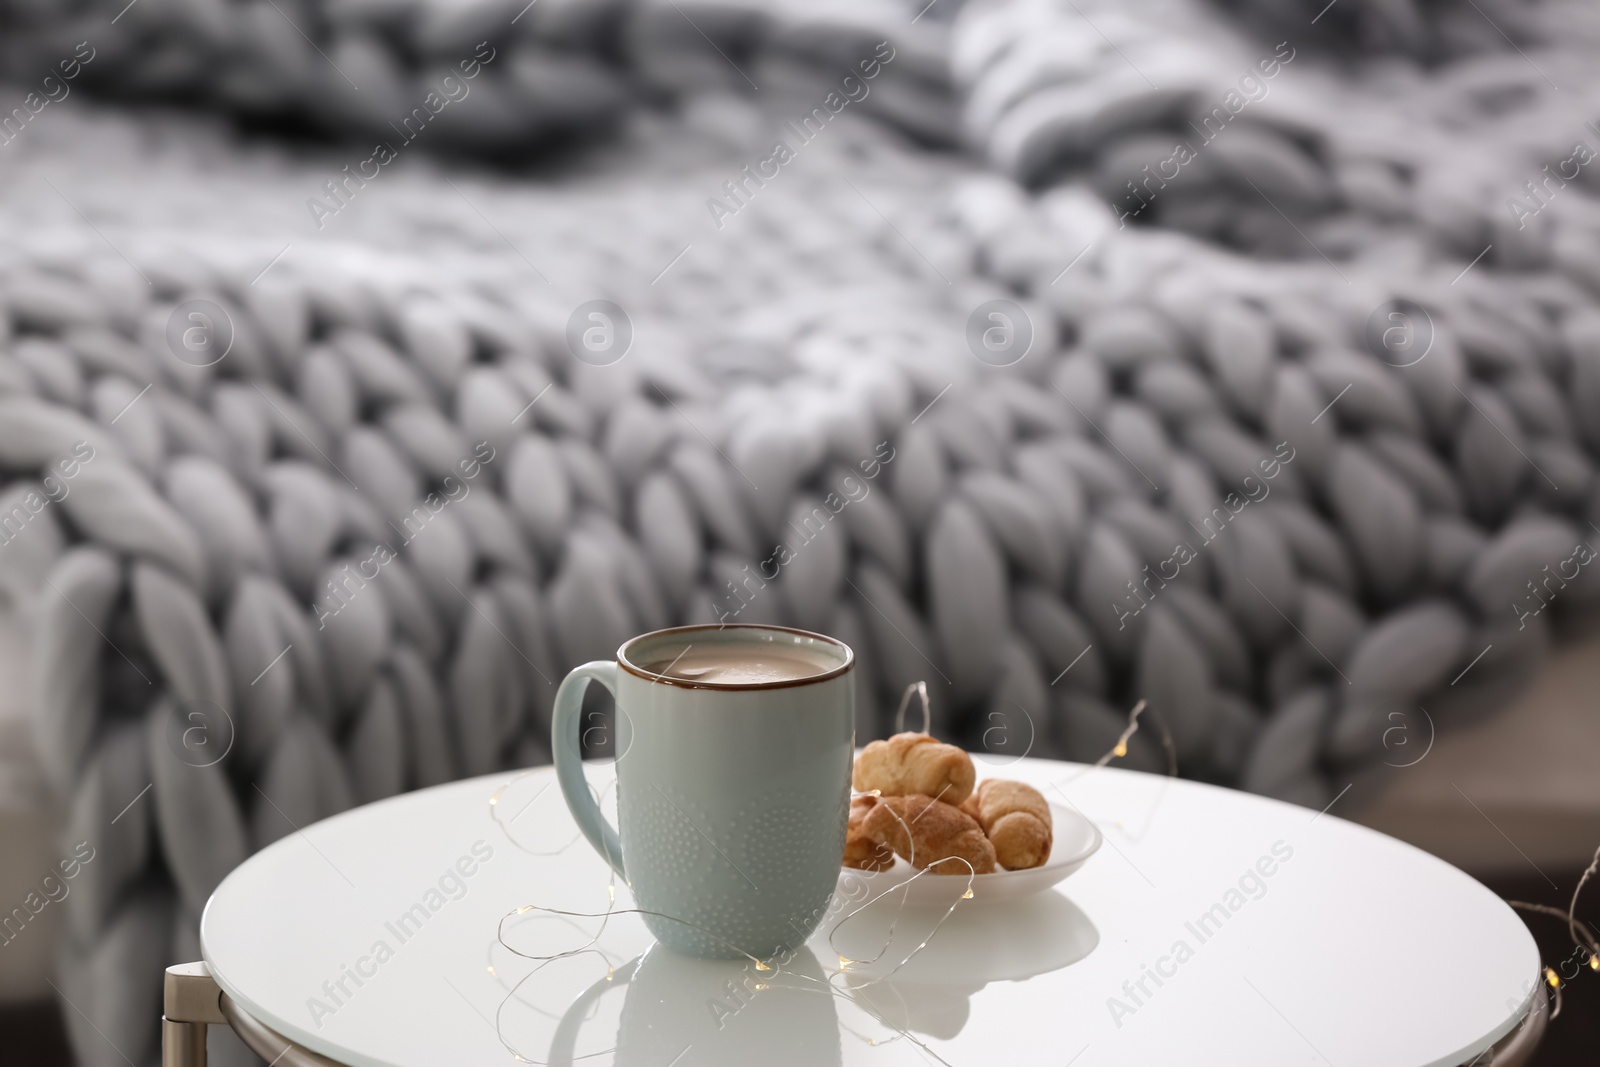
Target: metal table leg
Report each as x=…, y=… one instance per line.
x=192, y=1001
x=189, y=1003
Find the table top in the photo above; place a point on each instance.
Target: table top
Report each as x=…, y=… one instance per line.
x=1213, y=927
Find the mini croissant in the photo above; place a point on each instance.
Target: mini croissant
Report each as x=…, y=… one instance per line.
x=860, y=851
x=911, y=764
x=927, y=831
x=1017, y=820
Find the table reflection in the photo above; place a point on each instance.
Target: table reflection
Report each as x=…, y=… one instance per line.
x=686, y=1011
x=979, y=943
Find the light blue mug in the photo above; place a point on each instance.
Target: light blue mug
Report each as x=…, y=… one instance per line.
x=732, y=797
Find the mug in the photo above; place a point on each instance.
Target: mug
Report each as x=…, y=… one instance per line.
x=732, y=798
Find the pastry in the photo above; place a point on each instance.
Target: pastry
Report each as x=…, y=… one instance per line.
x=910, y=764
x=860, y=851
x=931, y=834
x=1016, y=819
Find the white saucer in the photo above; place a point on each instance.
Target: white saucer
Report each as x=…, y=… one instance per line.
x=1076, y=839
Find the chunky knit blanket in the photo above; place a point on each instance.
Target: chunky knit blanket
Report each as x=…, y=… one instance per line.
x=1057, y=354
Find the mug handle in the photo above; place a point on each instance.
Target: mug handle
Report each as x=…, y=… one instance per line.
x=566, y=747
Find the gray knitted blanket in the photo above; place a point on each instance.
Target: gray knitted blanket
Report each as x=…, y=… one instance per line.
x=1250, y=376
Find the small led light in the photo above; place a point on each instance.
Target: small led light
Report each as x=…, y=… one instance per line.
x=1550, y=976
x=1594, y=962
x=968, y=894
x=1121, y=749
x=762, y=966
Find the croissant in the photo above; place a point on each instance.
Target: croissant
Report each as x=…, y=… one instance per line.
x=927, y=831
x=1017, y=820
x=909, y=764
x=860, y=851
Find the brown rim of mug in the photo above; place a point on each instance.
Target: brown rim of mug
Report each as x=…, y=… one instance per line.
x=735, y=687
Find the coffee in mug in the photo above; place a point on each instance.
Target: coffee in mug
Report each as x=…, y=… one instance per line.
x=742, y=664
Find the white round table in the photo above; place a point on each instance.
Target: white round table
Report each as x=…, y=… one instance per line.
x=1213, y=927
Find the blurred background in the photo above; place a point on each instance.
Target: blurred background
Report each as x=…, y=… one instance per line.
x=367, y=364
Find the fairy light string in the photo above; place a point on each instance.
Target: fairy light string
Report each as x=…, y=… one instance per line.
x=848, y=967
x=1582, y=935
x=591, y=945
x=1573, y=928
x=919, y=689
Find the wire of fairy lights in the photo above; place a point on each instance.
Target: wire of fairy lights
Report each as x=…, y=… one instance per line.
x=770, y=969
x=591, y=945
x=918, y=689
x=1582, y=935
